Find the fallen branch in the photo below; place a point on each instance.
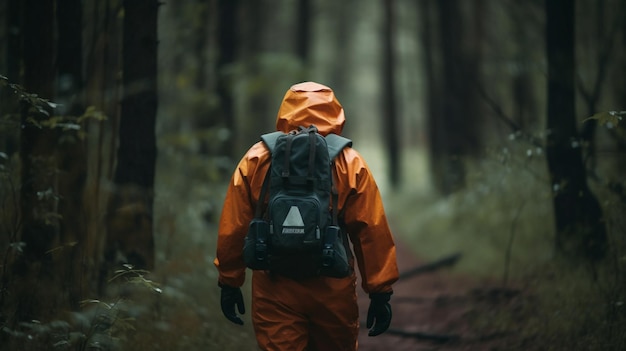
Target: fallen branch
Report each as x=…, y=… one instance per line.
x=442, y=338
x=429, y=267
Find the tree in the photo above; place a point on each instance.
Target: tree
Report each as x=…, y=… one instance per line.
x=430, y=69
x=601, y=26
x=525, y=102
x=342, y=26
x=453, y=121
x=227, y=47
x=129, y=218
x=53, y=169
x=44, y=269
x=38, y=197
x=12, y=18
x=259, y=21
x=76, y=272
x=303, y=38
x=579, y=227
x=390, y=120
x=102, y=29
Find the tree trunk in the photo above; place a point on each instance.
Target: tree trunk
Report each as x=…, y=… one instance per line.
x=77, y=270
x=390, y=115
x=525, y=104
x=303, y=37
x=227, y=46
x=8, y=104
x=453, y=131
x=14, y=29
x=129, y=218
x=38, y=196
x=430, y=68
x=200, y=42
x=343, y=45
x=448, y=171
x=579, y=227
x=102, y=61
x=259, y=25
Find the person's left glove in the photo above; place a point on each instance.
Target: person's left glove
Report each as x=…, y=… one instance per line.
x=230, y=298
x=379, y=313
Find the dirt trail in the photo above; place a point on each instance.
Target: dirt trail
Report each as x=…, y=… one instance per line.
x=437, y=304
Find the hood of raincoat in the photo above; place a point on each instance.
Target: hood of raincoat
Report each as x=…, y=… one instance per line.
x=310, y=103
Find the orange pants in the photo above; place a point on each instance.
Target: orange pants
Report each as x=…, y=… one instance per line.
x=316, y=314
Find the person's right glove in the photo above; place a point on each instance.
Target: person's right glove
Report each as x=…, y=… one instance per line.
x=379, y=311
x=230, y=297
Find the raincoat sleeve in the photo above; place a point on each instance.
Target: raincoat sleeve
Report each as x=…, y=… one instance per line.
x=237, y=212
x=366, y=223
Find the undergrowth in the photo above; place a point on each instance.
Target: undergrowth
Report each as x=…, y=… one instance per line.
x=109, y=323
x=502, y=224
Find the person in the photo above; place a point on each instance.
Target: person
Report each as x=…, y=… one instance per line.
x=320, y=313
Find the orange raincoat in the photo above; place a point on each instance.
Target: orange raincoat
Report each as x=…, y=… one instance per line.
x=320, y=313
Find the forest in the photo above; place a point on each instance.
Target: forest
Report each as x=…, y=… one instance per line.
x=494, y=128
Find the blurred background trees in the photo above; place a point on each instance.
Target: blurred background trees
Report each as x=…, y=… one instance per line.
x=142, y=109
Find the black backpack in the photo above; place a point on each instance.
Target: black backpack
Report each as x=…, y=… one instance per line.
x=298, y=236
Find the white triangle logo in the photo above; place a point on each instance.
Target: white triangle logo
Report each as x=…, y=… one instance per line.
x=294, y=218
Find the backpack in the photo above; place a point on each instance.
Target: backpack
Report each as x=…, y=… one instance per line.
x=298, y=236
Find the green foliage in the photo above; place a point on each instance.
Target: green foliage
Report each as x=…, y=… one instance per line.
x=38, y=109
x=61, y=332
x=135, y=276
x=99, y=325
x=502, y=224
x=609, y=119
x=506, y=203
x=34, y=103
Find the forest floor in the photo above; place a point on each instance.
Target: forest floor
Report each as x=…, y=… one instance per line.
x=505, y=292
x=437, y=310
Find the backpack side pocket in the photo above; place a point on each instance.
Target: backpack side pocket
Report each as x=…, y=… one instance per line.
x=335, y=262
x=255, y=245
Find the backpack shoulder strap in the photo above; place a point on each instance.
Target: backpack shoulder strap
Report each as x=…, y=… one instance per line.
x=336, y=143
x=270, y=139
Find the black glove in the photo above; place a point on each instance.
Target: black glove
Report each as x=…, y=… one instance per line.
x=231, y=297
x=380, y=311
